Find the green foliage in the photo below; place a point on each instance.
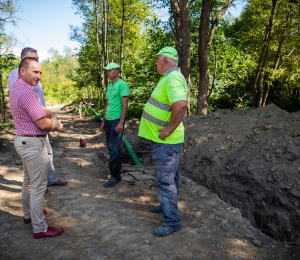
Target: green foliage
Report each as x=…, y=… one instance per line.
x=136, y=13
x=141, y=73
x=58, y=71
x=7, y=15
x=134, y=111
x=5, y=127
x=247, y=34
x=236, y=47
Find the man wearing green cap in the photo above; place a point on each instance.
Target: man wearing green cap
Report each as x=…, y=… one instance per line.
x=117, y=93
x=161, y=123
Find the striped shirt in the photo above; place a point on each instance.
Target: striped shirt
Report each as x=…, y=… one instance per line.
x=26, y=107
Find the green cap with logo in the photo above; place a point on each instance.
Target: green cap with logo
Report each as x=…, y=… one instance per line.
x=111, y=66
x=169, y=52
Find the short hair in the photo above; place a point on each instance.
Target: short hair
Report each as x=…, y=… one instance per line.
x=25, y=62
x=26, y=50
x=170, y=60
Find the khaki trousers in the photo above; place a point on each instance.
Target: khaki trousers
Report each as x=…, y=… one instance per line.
x=33, y=152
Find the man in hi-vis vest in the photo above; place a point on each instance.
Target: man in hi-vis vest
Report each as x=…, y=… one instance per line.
x=161, y=123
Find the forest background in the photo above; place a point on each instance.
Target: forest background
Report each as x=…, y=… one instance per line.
x=228, y=62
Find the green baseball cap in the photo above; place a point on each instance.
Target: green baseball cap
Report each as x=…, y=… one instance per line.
x=111, y=66
x=169, y=52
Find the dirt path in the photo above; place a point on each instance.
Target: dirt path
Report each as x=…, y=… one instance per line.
x=115, y=223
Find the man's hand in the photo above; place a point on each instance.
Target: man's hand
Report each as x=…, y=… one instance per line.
x=119, y=128
x=102, y=127
x=177, y=114
x=164, y=132
x=59, y=127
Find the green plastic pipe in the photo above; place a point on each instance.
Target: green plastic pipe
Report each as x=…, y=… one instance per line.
x=124, y=139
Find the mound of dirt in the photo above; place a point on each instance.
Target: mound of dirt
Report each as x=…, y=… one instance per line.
x=117, y=223
x=250, y=158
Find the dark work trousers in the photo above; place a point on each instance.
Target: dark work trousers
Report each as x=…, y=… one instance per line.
x=166, y=164
x=113, y=139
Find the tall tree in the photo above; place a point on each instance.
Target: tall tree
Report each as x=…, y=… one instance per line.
x=99, y=74
x=7, y=12
x=263, y=58
x=104, y=38
x=122, y=39
x=7, y=15
x=282, y=38
x=110, y=16
x=182, y=36
x=206, y=35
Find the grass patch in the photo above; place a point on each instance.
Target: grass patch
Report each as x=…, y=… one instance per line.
x=5, y=127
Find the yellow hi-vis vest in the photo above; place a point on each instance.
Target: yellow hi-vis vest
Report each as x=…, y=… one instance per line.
x=171, y=88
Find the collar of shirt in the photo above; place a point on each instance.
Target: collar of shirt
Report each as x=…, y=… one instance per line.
x=25, y=83
x=170, y=70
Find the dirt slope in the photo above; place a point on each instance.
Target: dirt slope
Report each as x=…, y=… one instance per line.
x=251, y=159
x=116, y=223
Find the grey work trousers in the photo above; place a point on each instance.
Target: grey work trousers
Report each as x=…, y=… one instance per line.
x=51, y=175
x=35, y=161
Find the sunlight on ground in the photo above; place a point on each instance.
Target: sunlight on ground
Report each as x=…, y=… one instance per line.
x=142, y=215
x=101, y=196
x=145, y=198
x=75, y=181
x=128, y=200
x=10, y=202
x=12, y=186
x=182, y=205
x=10, y=191
x=12, y=173
x=241, y=246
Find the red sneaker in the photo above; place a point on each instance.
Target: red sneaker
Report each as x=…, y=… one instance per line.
x=28, y=221
x=51, y=232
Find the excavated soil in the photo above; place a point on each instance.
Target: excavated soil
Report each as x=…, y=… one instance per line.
x=239, y=186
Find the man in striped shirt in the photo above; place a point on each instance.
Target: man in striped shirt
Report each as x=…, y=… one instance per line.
x=33, y=125
x=13, y=76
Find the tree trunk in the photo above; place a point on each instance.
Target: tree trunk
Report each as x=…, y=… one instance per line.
x=182, y=36
x=188, y=109
x=264, y=50
x=261, y=77
x=266, y=92
x=122, y=39
x=205, y=40
x=103, y=79
x=104, y=39
x=215, y=72
x=282, y=39
x=2, y=105
x=99, y=74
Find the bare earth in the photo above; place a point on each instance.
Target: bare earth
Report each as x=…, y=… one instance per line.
x=116, y=223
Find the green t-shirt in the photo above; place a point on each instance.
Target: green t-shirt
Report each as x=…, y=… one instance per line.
x=171, y=88
x=114, y=93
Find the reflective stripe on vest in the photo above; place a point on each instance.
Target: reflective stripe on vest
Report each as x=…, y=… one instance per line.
x=155, y=120
x=159, y=104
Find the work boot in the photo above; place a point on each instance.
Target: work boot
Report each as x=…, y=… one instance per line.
x=115, y=174
x=163, y=231
x=156, y=209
